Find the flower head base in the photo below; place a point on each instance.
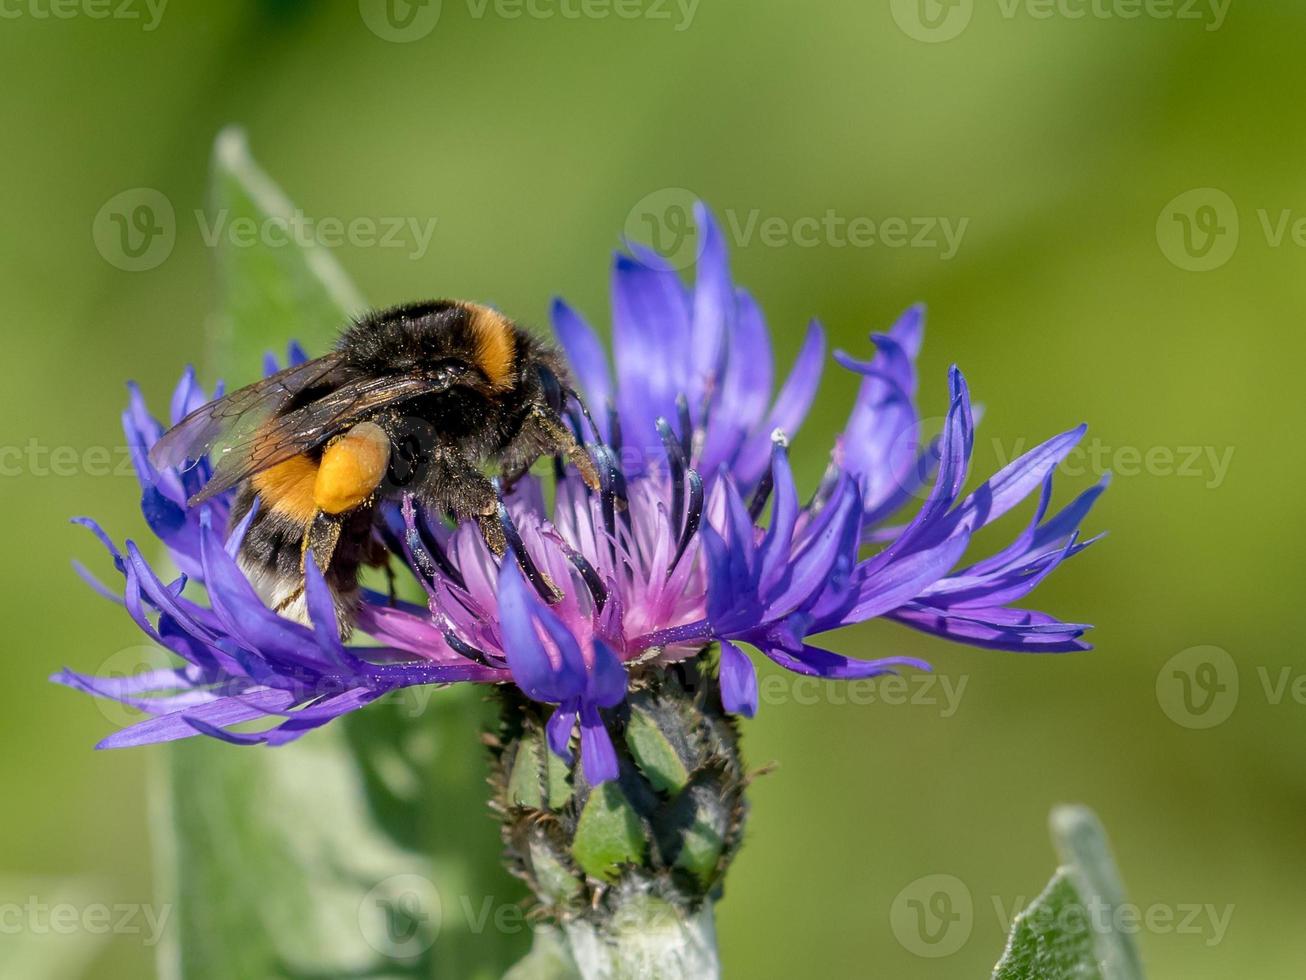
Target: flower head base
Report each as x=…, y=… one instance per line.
x=609, y=589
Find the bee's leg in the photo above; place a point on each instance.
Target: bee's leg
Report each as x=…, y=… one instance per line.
x=321, y=537
x=543, y=433
x=511, y=474
x=492, y=531
x=390, y=583
x=452, y=482
x=379, y=556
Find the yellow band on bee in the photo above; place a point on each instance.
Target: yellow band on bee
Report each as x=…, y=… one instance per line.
x=495, y=347
x=352, y=468
x=287, y=487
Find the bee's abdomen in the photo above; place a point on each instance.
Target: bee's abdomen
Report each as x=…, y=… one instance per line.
x=272, y=553
x=287, y=489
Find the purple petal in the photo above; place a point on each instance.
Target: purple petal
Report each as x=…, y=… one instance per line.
x=815, y=662
x=559, y=729
x=1016, y=630
x=879, y=443
x=810, y=570
x=586, y=356
x=328, y=709
x=744, y=389
x=186, y=397
x=322, y=612
x=738, y=681
x=732, y=600
x=713, y=306
x=213, y=731
x=606, y=686
x=544, y=675
x=650, y=339
x=250, y=622
x=888, y=586
x=597, y=756
x=791, y=405
x=89, y=577
x=1018, y=479
x=225, y=711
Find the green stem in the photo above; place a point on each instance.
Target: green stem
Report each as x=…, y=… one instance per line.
x=646, y=939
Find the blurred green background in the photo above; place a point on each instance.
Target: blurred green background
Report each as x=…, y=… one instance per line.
x=533, y=141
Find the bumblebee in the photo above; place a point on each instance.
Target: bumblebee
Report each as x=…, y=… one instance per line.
x=419, y=400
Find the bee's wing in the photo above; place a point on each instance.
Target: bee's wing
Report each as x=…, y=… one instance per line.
x=283, y=436
x=241, y=412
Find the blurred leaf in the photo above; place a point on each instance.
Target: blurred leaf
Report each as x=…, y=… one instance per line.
x=275, y=284
x=1082, y=845
x=363, y=849
x=35, y=946
x=549, y=959
x=1067, y=932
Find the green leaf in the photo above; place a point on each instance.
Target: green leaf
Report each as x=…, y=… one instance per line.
x=703, y=833
x=609, y=833
x=1051, y=939
x=655, y=754
x=275, y=285
x=280, y=869
x=524, y=780
x=34, y=948
x=1068, y=932
x=1082, y=845
x=364, y=849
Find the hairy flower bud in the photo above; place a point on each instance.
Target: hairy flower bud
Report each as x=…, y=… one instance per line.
x=652, y=844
